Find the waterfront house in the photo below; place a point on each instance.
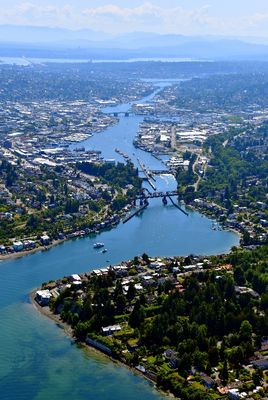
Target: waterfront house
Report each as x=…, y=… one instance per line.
x=42, y=297
x=2, y=249
x=29, y=244
x=109, y=330
x=18, y=246
x=75, y=278
x=45, y=240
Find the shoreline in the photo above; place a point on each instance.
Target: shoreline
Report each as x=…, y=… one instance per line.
x=54, y=243
x=45, y=311
x=214, y=217
x=24, y=253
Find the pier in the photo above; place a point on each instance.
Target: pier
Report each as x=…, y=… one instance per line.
x=176, y=205
x=136, y=212
x=124, y=155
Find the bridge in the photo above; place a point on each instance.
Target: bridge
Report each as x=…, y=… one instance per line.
x=161, y=172
x=143, y=198
x=153, y=195
x=120, y=113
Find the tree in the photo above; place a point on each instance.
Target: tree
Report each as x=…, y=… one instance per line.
x=119, y=202
x=185, y=364
x=245, y=331
x=137, y=316
x=222, y=350
x=65, y=188
x=224, y=372
x=239, y=276
x=136, y=260
x=71, y=206
x=200, y=359
x=52, y=199
x=120, y=303
x=264, y=301
x=257, y=377
x=33, y=222
x=236, y=356
x=131, y=291
x=213, y=355
x=201, y=337
x=145, y=258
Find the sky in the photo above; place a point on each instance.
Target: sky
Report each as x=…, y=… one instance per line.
x=188, y=17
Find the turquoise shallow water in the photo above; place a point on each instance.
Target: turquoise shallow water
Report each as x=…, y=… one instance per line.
x=37, y=360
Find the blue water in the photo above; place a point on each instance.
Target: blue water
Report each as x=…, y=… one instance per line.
x=23, y=61
x=37, y=360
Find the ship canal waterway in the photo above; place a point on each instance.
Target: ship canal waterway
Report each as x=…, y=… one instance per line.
x=37, y=360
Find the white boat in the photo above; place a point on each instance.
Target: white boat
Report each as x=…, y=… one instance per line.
x=98, y=245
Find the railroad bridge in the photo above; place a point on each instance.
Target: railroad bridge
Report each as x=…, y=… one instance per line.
x=153, y=195
x=146, y=195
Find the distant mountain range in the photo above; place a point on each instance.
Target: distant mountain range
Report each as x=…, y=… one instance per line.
x=29, y=41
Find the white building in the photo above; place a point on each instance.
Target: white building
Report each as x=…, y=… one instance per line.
x=234, y=394
x=42, y=297
x=18, y=246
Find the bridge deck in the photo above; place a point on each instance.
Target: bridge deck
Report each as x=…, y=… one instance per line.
x=157, y=194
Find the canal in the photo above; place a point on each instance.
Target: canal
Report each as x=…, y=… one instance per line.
x=37, y=360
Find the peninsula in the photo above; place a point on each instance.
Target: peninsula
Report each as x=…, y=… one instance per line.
x=196, y=326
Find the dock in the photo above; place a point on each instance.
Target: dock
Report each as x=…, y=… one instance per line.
x=176, y=205
x=124, y=155
x=148, y=174
x=135, y=212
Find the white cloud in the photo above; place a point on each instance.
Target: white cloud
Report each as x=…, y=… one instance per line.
x=148, y=16
x=147, y=8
